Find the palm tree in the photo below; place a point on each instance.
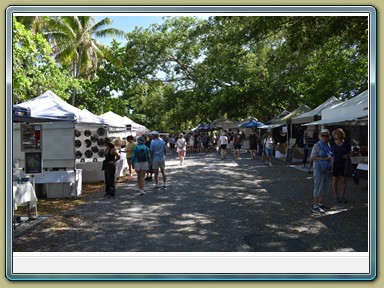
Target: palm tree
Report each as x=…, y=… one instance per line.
x=74, y=43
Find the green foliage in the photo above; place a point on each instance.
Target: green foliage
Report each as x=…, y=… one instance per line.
x=187, y=70
x=34, y=70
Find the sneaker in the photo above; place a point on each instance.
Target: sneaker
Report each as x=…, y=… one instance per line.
x=338, y=200
x=141, y=192
x=318, y=209
x=165, y=187
x=324, y=207
x=270, y=164
x=343, y=200
x=157, y=188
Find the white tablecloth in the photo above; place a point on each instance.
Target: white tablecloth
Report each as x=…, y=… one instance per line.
x=92, y=170
x=22, y=194
x=73, y=178
x=358, y=159
x=121, y=165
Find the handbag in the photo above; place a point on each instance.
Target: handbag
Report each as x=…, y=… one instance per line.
x=324, y=165
x=348, y=169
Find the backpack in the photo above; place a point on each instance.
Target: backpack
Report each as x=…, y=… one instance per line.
x=141, y=155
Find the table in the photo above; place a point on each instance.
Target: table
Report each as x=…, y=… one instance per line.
x=61, y=184
x=362, y=170
x=92, y=170
x=358, y=159
x=24, y=194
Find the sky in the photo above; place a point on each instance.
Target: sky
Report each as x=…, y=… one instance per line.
x=128, y=23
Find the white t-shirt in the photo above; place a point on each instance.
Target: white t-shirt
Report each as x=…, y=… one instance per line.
x=269, y=143
x=223, y=140
x=181, y=145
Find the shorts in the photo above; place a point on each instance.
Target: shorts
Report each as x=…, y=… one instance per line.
x=181, y=153
x=223, y=146
x=237, y=146
x=268, y=152
x=158, y=164
x=253, y=147
x=141, y=166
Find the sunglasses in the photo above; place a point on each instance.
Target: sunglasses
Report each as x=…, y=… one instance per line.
x=325, y=136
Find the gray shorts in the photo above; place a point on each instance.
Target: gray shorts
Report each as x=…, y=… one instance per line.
x=141, y=166
x=158, y=164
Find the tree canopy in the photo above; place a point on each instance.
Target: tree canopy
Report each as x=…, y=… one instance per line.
x=189, y=70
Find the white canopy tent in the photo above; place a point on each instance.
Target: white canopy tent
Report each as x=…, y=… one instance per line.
x=285, y=117
x=113, y=119
x=118, y=124
x=316, y=113
x=350, y=110
x=50, y=106
x=135, y=126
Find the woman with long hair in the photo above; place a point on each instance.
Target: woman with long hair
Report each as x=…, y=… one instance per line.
x=181, y=146
x=342, y=151
x=111, y=157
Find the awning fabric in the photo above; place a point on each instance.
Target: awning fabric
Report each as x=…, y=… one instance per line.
x=50, y=106
x=348, y=111
x=315, y=113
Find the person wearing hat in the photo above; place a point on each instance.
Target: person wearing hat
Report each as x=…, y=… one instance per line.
x=322, y=157
x=111, y=157
x=158, y=151
x=141, y=159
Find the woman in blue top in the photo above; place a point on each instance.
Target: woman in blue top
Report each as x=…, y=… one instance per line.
x=141, y=159
x=342, y=151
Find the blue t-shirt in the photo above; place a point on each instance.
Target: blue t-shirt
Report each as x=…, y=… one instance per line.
x=158, y=149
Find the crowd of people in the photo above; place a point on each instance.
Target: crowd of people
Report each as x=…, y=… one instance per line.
x=146, y=156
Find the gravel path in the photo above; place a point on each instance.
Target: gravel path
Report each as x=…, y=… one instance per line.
x=211, y=205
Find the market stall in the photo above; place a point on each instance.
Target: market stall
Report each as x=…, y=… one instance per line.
x=56, y=146
x=352, y=115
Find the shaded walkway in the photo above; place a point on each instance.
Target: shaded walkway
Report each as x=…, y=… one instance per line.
x=211, y=205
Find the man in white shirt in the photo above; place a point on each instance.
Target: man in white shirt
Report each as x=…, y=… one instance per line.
x=223, y=142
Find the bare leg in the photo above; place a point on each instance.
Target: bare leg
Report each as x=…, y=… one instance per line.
x=156, y=177
x=335, y=181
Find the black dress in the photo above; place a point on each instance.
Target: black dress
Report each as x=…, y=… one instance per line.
x=109, y=173
x=339, y=161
